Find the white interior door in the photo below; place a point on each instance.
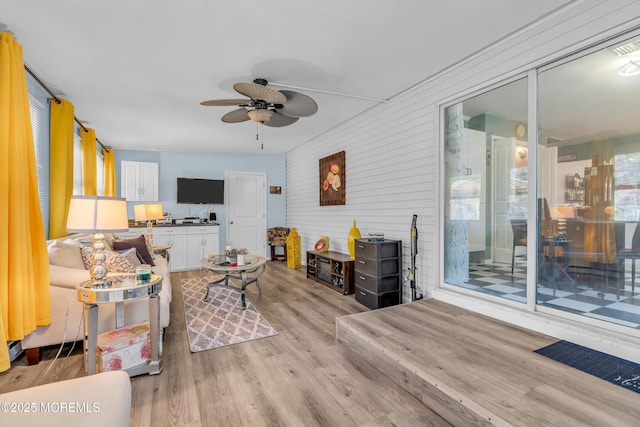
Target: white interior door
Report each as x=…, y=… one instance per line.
x=246, y=211
x=547, y=177
x=503, y=161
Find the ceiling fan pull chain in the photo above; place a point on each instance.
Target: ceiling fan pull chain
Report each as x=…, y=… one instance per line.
x=260, y=128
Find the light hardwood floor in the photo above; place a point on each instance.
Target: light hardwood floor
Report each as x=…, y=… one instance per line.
x=301, y=377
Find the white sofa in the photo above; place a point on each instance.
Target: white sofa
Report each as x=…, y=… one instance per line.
x=97, y=400
x=67, y=320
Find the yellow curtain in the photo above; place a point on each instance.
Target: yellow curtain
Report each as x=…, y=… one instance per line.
x=24, y=263
x=61, y=166
x=109, y=173
x=89, y=177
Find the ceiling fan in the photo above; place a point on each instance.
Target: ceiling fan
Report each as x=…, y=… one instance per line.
x=265, y=105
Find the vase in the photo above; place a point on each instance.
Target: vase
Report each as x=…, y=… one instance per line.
x=294, y=257
x=354, y=234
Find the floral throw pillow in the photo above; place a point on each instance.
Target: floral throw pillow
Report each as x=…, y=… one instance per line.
x=131, y=255
x=115, y=262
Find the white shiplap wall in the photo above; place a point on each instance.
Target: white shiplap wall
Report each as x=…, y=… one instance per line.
x=393, y=150
x=386, y=168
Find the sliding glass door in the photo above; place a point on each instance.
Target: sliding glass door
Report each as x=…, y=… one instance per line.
x=586, y=187
x=588, y=113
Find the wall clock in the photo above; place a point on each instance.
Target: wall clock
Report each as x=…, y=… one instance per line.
x=520, y=130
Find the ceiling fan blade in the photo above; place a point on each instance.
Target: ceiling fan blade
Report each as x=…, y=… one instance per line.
x=236, y=116
x=256, y=91
x=225, y=102
x=280, y=120
x=298, y=104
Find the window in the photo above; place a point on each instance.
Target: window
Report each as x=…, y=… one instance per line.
x=100, y=171
x=77, y=165
x=36, y=122
x=39, y=126
x=626, y=196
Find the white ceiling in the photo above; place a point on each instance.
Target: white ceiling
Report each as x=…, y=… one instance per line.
x=136, y=71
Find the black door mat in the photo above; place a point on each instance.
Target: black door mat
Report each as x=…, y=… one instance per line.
x=615, y=370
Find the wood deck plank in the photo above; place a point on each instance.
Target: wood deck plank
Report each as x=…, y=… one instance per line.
x=435, y=350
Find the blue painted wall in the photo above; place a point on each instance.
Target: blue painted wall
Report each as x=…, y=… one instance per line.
x=174, y=164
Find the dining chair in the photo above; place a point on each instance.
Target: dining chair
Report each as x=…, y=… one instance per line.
x=519, y=228
x=633, y=254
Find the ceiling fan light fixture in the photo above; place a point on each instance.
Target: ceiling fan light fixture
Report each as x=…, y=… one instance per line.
x=260, y=115
x=265, y=105
x=631, y=68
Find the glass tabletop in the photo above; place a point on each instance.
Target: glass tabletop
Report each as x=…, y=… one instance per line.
x=123, y=288
x=222, y=262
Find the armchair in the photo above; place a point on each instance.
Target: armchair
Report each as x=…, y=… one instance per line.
x=278, y=237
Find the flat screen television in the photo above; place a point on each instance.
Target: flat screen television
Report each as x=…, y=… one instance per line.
x=200, y=191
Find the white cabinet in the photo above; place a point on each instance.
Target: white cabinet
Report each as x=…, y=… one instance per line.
x=188, y=243
x=139, y=181
x=201, y=240
x=176, y=237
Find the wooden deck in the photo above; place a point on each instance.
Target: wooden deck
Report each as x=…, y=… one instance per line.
x=473, y=370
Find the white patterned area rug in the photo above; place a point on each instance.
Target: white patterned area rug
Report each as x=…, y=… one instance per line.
x=220, y=320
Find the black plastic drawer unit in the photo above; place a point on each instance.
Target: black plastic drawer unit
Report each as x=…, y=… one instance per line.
x=372, y=300
x=378, y=284
x=378, y=273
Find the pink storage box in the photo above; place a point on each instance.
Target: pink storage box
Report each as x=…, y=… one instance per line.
x=124, y=348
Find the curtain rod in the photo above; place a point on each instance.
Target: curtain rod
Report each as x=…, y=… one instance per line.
x=58, y=102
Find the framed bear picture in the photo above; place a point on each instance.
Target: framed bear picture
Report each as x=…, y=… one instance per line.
x=332, y=180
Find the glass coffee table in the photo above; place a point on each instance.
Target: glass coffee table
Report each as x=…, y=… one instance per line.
x=248, y=273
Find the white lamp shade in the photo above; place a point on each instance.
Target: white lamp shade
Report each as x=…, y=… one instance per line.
x=88, y=214
x=147, y=212
x=139, y=213
x=563, y=212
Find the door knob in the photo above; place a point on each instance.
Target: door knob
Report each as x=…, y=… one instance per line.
x=230, y=222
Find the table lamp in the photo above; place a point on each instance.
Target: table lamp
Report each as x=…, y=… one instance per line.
x=95, y=214
x=561, y=213
x=148, y=213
